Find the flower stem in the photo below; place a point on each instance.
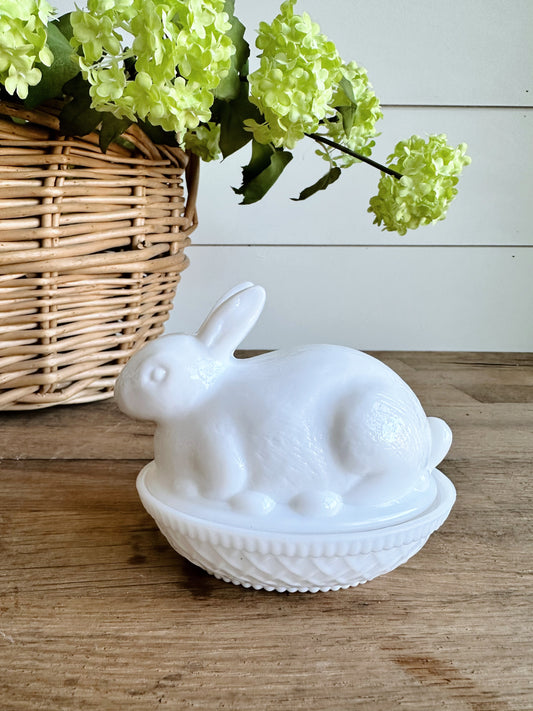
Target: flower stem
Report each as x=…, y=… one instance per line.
x=322, y=139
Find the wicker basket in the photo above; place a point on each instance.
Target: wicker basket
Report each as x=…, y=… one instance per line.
x=91, y=250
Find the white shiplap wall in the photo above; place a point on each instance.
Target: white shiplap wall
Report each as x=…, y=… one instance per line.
x=464, y=68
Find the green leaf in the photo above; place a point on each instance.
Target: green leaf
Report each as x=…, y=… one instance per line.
x=326, y=180
x=348, y=114
x=346, y=87
x=229, y=86
x=64, y=67
x=112, y=128
x=265, y=167
x=347, y=107
x=229, y=7
x=64, y=26
x=231, y=115
x=77, y=118
x=261, y=155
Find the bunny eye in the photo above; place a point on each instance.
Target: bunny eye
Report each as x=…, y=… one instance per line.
x=157, y=374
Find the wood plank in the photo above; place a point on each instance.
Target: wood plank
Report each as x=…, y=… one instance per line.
x=486, y=377
x=98, y=612
x=39, y=434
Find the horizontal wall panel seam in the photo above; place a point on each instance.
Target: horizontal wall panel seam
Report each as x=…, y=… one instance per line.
x=428, y=105
x=392, y=245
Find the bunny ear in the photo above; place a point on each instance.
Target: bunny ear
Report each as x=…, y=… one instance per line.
x=232, y=318
x=227, y=295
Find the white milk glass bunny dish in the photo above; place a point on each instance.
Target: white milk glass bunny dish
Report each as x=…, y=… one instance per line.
x=317, y=461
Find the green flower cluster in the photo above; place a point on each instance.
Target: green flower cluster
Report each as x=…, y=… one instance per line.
x=180, y=53
x=366, y=112
x=186, y=72
x=430, y=171
x=204, y=141
x=23, y=43
x=298, y=74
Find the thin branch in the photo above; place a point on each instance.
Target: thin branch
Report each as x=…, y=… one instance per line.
x=322, y=139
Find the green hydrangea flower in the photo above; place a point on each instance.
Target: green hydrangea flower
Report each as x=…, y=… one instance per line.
x=96, y=34
x=187, y=35
x=430, y=171
x=204, y=141
x=298, y=74
x=366, y=113
x=108, y=83
x=23, y=44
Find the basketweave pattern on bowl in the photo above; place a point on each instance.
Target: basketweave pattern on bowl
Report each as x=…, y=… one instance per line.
x=296, y=562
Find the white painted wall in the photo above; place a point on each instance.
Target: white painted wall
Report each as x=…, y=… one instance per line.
x=464, y=68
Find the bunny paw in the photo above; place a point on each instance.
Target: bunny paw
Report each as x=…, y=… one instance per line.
x=252, y=503
x=317, y=503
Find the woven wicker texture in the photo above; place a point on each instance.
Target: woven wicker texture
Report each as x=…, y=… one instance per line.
x=91, y=251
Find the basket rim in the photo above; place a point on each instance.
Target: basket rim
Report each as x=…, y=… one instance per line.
x=47, y=116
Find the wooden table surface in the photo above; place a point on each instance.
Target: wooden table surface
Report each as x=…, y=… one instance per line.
x=98, y=612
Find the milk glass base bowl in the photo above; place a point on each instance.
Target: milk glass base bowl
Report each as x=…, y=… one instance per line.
x=294, y=561
x=307, y=468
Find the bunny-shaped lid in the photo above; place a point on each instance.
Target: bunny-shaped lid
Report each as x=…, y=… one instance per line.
x=311, y=438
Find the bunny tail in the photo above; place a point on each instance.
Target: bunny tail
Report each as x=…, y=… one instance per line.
x=441, y=440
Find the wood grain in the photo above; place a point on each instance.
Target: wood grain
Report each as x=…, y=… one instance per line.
x=97, y=611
